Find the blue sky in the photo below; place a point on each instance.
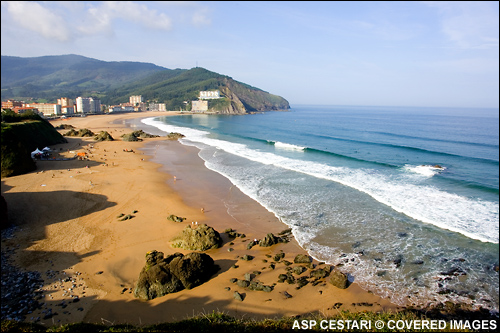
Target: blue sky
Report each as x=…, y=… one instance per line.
x=342, y=53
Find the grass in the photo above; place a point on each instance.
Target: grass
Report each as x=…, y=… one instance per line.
x=221, y=322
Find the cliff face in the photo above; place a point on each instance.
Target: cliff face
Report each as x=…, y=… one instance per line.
x=242, y=99
x=254, y=99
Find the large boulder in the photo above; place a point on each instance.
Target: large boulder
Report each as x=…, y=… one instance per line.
x=271, y=239
x=164, y=275
x=302, y=259
x=339, y=279
x=103, y=136
x=198, y=238
x=193, y=269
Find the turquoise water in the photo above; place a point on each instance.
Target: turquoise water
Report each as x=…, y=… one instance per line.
x=397, y=196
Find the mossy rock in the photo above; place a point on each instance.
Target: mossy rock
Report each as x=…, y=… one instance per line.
x=164, y=275
x=84, y=132
x=103, y=136
x=130, y=137
x=199, y=238
x=175, y=218
x=302, y=259
x=339, y=279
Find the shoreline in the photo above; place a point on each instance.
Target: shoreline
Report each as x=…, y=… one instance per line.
x=73, y=232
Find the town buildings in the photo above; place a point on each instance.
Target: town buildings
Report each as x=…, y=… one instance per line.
x=82, y=106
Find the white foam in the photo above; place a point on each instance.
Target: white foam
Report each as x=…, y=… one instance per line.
x=425, y=170
x=471, y=217
x=283, y=145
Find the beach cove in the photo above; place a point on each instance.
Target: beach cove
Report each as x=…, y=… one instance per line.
x=68, y=230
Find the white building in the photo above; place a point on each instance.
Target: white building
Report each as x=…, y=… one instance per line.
x=136, y=99
x=46, y=108
x=157, y=107
x=65, y=101
x=88, y=105
x=199, y=106
x=209, y=94
x=121, y=108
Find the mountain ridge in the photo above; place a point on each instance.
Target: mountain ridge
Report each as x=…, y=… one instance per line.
x=52, y=77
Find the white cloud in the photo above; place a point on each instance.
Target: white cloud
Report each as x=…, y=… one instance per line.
x=137, y=13
x=33, y=16
x=65, y=20
x=469, y=24
x=201, y=17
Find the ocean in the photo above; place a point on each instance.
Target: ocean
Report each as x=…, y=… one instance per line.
x=404, y=199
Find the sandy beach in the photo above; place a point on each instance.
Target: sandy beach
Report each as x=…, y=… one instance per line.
x=69, y=231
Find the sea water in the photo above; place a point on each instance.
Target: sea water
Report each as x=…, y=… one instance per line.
x=405, y=200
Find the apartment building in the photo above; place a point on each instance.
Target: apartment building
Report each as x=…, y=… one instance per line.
x=88, y=105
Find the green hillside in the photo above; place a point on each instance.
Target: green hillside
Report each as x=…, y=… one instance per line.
x=51, y=77
x=171, y=89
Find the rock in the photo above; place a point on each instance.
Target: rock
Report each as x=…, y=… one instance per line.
x=251, y=244
x=84, y=132
x=287, y=295
x=201, y=238
x=249, y=276
x=455, y=271
x=279, y=256
x=247, y=257
x=320, y=273
x=243, y=283
x=270, y=240
x=130, y=137
x=398, y=260
x=164, y=275
x=339, y=279
x=286, y=232
x=302, y=259
x=299, y=270
x=103, y=136
x=232, y=233
x=127, y=217
x=193, y=269
x=417, y=262
x=302, y=281
x=174, y=136
x=137, y=136
x=238, y=296
x=175, y=218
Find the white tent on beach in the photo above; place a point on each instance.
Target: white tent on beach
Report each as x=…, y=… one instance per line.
x=36, y=152
x=46, y=149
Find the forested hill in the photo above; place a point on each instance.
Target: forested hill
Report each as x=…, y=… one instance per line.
x=53, y=77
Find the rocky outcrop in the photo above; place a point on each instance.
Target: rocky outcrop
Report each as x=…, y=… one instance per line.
x=164, y=275
x=83, y=132
x=103, y=136
x=175, y=218
x=198, y=238
x=271, y=239
x=339, y=279
x=302, y=259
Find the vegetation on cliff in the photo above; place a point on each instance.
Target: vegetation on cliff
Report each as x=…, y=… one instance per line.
x=221, y=322
x=22, y=134
x=52, y=77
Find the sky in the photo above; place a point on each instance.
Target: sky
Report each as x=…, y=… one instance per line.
x=438, y=54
